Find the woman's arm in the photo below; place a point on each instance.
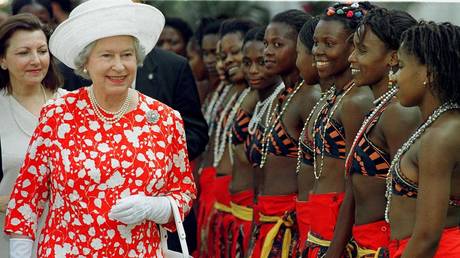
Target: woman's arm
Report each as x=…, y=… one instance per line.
x=437, y=156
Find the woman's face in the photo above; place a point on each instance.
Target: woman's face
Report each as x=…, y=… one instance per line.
x=220, y=68
x=410, y=79
x=253, y=66
x=370, y=59
x=304, y=63
x=331, y=48
x=171, y=40
x=112, y=64
x=208, y=51
x=195, y=61
x=26, y=57
x=280, y=48
x=232, y=56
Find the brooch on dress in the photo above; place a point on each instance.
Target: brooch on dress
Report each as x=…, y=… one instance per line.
x=152, y=116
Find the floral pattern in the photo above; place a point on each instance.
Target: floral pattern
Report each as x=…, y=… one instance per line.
x=84, y=166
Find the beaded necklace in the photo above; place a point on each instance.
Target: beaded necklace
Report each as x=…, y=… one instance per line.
x=116, y=116
x=230, y=121
x=326, y=95
x=271, y=125
x=261, y=108
x=220, y=138
x=405, y=147
x=384, y=100
x=215, y=102
x=329, y=115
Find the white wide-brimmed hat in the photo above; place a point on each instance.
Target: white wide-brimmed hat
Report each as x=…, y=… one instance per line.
x=96, y=19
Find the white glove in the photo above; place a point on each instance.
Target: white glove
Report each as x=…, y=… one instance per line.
x=21, y=247
x=136, y=208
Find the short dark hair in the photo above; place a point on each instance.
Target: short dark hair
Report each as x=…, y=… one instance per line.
x=181, y=26
x=438, y=47
x=25, y=22
x=307, y=31
x=255, y=34
x=387, y=25
x=236, y=25
x=293, y=18
x=16, y=6
x=66, y=5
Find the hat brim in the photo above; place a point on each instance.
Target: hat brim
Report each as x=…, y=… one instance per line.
x=141, y=21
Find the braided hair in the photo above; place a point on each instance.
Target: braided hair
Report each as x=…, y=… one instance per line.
x=349, y=14
x=307, y=31
x=387, y=25
x=293, y=18
x=438, y=47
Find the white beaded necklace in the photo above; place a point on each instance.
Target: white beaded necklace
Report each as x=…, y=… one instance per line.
x=220, y=138
x=230, y=121
x=271, y=125
x=405, y=147
x=262, y=107
x=382, y=102
x=116, y=116
x=215, y=102
x=326, y=95
x=323, y=133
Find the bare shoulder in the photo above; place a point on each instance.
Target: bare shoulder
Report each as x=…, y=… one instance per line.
x=306, y=98
x=250, y=101
x=396, y=114
x=359, y=99
x=442, y=138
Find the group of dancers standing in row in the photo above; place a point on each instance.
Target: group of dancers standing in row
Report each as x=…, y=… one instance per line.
x=331, y=136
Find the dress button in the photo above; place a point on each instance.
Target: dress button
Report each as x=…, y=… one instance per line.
x=150, y=76
x=384, y=229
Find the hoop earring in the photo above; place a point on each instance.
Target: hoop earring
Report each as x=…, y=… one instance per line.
x=391, y=79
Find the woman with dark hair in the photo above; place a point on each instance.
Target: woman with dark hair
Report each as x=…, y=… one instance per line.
x=336, y=121
x=28, y=80
x=373, y=62
x=175, y=36
x=423, y=187
x=232, y=32
x=284, y=119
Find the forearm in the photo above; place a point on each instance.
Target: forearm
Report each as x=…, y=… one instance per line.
x=343, y=228
x=421, y=248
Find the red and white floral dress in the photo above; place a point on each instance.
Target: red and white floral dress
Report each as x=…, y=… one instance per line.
x=84, y=166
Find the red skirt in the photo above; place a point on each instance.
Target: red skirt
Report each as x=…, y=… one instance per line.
x=221, y=220
x=241, y=228
x=324, y=210
x=302, y=209
x=372, y=237
x=449, y=245
x=206, y=202
x=276, y=206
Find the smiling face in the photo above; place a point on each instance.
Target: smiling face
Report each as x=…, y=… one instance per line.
x=304, y=63
x=331, y=49
x=26, y=57
x=280, y=48
x=112, y=64
x=410, y=79
x=232, y=56
x=370, y=60
x=253, y=66
x=172, y=40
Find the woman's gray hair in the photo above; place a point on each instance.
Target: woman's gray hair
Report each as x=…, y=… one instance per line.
x=82, y=58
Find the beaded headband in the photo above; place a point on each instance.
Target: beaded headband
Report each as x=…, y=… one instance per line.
x=348, y=10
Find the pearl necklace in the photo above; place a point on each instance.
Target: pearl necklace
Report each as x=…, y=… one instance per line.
x=323, y=133
x=220, y=138
x=230, y=121
x=382, y=102
x=324, y=96
x=116, y=116
x=271, y=125
x=216, y=101
x=45, y=99
x=261, y=108
x=405, y=147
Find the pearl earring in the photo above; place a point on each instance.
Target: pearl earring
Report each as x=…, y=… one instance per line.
x=391, y=79
x=85, y=71
x=3, y=67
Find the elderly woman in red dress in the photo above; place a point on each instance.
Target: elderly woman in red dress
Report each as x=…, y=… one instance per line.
x=106, y=157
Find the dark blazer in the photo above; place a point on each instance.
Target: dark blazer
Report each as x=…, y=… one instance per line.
x=168, y=78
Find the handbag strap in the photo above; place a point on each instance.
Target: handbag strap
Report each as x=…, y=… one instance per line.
x=179, y=227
